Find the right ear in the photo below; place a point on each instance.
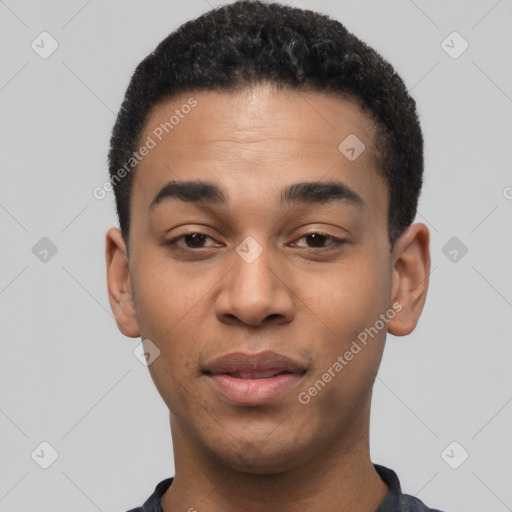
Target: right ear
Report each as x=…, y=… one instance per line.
x=120, y=293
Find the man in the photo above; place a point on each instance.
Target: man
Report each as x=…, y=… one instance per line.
x=267, y=166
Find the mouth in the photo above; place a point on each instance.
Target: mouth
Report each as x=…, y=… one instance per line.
x=254, y=375
x=254, y=379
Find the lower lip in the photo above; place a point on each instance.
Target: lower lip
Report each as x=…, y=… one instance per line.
x=254, y=391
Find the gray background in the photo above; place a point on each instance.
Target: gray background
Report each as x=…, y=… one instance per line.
x=68, y=377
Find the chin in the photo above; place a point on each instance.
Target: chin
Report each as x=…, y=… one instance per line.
x=259, y=456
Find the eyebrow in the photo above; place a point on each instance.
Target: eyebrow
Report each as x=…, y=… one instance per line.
x=310, y=192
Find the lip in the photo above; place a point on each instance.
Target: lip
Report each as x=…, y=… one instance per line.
x=254, y=379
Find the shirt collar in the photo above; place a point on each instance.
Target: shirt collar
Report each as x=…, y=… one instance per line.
x=394, y=501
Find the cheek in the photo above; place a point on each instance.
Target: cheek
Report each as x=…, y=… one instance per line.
x=350, y=334
x=169, y=311
x=165, y=295
x=350, y=297
x=171, y=308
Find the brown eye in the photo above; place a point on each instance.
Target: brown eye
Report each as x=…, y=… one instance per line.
x=192, y=240
x=318, y=241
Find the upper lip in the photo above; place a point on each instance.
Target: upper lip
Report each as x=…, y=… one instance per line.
x=259, y=362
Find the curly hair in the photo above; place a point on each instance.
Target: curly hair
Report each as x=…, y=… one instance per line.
x=253, y=41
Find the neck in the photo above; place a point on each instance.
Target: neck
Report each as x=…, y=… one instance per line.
x=340, y=476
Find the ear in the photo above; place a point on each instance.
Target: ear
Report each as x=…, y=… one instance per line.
x=120, y=293
x=411, y=272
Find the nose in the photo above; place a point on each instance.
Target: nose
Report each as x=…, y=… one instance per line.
x=255, y=293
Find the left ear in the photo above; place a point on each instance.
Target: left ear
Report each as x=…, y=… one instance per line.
x=411, y=272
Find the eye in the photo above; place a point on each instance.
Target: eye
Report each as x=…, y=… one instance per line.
x=316, y=240
x=192, y=240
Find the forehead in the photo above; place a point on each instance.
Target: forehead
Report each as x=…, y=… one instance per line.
x=257, y=139
x=257, y=112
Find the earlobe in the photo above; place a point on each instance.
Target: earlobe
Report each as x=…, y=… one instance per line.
x=411, y=271
x=120, y=293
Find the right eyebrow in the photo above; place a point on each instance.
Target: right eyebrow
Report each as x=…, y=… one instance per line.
x=189, y=191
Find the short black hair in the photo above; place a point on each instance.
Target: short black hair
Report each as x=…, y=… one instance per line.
x=252, y=41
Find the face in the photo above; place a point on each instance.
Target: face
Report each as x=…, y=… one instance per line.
x=249, y=259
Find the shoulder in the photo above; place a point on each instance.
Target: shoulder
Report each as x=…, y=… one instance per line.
x=395, y=500
x=412, y=504
x=153, y=504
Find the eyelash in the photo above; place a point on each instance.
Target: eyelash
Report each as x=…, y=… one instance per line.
x=336, y=242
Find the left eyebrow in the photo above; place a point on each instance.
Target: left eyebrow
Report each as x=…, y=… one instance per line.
x=316, y=192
